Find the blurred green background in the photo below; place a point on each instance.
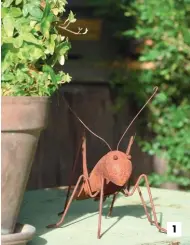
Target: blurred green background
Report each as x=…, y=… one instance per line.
x=161, y=30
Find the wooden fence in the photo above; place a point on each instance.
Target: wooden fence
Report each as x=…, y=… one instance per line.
x=58, y=143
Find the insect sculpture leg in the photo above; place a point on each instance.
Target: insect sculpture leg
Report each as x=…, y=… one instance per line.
x=112, y=203
x=127, y=193
x=82, y=177
x=144, y=205
x=100, y=208
x=84, y=161
x=85, y=179
x=72, y=173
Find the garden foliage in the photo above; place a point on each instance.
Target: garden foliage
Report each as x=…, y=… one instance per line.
x=32, y=46
x=164, y=28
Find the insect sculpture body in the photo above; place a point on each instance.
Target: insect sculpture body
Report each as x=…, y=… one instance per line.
x=109, y=177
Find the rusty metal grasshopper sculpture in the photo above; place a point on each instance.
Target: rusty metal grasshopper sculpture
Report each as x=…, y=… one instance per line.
x=109, y=177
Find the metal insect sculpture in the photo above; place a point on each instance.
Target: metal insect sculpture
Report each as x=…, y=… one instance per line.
x=110, y=176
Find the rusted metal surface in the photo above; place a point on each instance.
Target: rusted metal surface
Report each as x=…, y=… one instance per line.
x=109, y=177
x=22, y=120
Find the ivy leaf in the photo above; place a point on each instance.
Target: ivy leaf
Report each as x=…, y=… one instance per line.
x=30, y=53
x=51, y=44
x=47, y=11
x=8, y=77
x=62, y=48
x=4, y=11
x=9, y=58
x=29, y=37
x=25, y=10
x=17, y=2
x=37, y=52
x=55, y=11
x=45, y=26
x=22, y=25
x=15, y=12
x=66, y=78
x=36, y=12
x=7, y=3
x=50, y=71
x=71, y=17
x=8, y=23
x=62, y=60
x=46, y=20
x=17, y=42
x=7, y=40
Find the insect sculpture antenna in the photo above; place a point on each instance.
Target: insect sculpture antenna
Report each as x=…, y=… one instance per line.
x=86, y=125
x=155, y=90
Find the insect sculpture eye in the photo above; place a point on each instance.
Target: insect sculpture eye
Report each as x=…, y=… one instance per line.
x=115, y=157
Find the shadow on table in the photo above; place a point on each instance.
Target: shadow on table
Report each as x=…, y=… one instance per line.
x=40, y=213
x=38, y=240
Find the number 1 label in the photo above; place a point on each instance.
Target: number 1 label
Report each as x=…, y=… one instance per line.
x=174, y=229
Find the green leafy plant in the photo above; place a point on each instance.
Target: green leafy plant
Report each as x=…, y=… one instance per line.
x=166, y=26
x=164, y=29
x=32, y=45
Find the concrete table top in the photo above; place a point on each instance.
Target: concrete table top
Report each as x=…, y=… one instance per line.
x=127, y=226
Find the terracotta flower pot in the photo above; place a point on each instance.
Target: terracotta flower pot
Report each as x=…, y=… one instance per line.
x=23, y=118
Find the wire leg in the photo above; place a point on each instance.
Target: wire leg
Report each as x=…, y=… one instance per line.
x=71, y=199
x=127, y=193
x=66, y=201
x=144, y=205
x=71, y=176
x=100, y=209
x=112, y=204
x=67, y=206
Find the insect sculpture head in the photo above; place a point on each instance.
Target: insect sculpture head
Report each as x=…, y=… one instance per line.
x=117, y=167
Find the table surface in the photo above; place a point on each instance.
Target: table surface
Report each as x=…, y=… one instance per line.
x=128, y=224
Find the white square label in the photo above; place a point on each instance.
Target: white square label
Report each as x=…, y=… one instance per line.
x=174, y=229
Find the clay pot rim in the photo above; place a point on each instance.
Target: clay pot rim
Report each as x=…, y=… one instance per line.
x=24, y=99
x=24, y=232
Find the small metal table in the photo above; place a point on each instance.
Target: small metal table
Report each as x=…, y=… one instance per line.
x=127, y=226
